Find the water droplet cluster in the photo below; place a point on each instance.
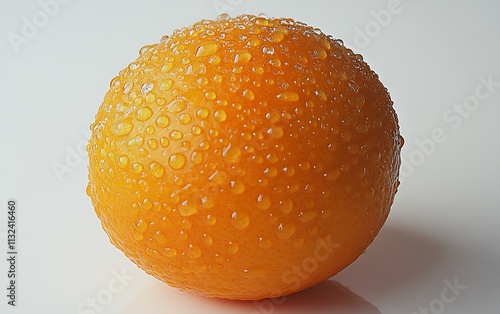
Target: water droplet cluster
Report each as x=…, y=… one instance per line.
x=250, y=125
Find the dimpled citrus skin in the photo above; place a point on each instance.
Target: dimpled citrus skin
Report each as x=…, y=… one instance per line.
x=244, y=158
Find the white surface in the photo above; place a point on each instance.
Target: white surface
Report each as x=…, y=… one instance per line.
x=444, y=226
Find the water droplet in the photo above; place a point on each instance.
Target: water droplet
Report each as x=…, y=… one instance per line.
x=150, y=98
x=136, y=141
x=183, y=235
x=196, y=68
x=194, y=251
x=262, y=182
x=272, y=157
x=362, y=128
x=220, y=115
x=207, y=239
x=352, y=149
x=275, y=62
x=231, y=154
x=263, y=202
x=161, y=101
x=210, y=95
x=346, y=136
x=176, y=106
x=262, y=20
x=290, y=171
x=156, y=169
x=258, y=159
x=176, y=135
x=129, y=184
x=359, y=100
x=204, y=145
x=152, y=143
x=215, y=60
x=177, y=161
x=138, y=236
x=167, y=67
x=166, y=85
x=273, y=116
x=159, y=237
x=258, y=69
x=196, y=130
x=333, y=175
x=223, y=17
x=285, y=231
x=169, y=252
x=233, y=248
x=305, y=166
x=265, y=243
x=321, y=53
x=202, y=81
x=317, y=31
x=197, y=157
x=143, y=113
x=132, y=67
x=219, y=258
x=307, y=216
x=202, y=113
x=277, y=36
x=147, y=205
x=242, y=56
x=298, y=242
x=237, y=187
x=207, y=49
x=271, y=172
x=337, y=54
x=286, y=206
x=122, y=128
x=218, y=78
x=200, y=29
x=219, y=177
x=157, y=207
x=268, y=50
x=164, y=142
x=213, y=132
x=276, y=132
x=248, y=94
x=140, y=226
x=222, y=102
x=137, y=167
x=288, y=96
x=211, y=220
x=187, y=209
x=254, y=42
x=240, y=220
x=162, y=121
x=185, y=118
x=186, y=145
x=123, y=161
x=146, y=88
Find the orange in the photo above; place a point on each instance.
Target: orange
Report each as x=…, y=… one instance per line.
x=244, y=158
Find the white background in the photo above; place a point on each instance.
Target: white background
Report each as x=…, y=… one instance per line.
x=433, y=56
